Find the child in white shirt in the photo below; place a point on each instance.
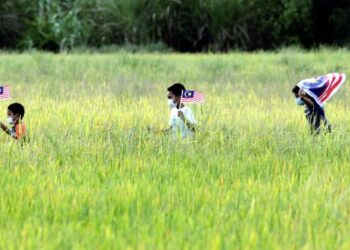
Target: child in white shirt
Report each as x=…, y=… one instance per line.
x=182, y=121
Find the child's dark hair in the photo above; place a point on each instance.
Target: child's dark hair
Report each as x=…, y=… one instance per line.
x=295, y=90
x=17, y=108
x=177, y=89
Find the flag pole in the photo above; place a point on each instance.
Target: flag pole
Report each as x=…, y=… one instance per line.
x=180, y=99
x=182, y=91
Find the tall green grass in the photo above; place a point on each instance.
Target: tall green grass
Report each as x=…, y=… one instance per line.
x=94, y=177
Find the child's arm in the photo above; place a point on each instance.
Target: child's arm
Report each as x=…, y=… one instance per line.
x=306, y=99
x=166, y=130
x=159, y=131
x=4, y=127
x=8, y=130
x=311, y=103
x=189, y=125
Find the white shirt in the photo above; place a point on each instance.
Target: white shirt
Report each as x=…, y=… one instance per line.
x=178, y=125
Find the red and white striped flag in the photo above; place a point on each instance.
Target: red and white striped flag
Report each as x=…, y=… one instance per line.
x=5, y=93
x=322, y=88
x=191, y=96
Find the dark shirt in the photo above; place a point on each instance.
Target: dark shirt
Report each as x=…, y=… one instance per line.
x=314, y=115
x=315, y=110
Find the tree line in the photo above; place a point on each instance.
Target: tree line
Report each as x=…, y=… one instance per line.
x=182, y=25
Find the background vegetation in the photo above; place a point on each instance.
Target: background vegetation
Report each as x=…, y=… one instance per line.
x=182, y=25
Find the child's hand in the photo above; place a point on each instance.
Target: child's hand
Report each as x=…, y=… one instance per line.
x=302, y=93
x=181, y=115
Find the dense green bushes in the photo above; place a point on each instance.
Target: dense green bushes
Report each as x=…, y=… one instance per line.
x=184, y=25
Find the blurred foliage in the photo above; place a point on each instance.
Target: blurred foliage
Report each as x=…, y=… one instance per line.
x=182, y=25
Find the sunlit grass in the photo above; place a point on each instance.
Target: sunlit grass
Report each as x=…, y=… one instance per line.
x=93, y=177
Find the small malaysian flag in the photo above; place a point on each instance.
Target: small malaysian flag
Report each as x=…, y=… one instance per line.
x=191, y=96
x=5, y=93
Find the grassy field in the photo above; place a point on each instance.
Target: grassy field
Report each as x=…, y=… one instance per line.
x=93, y=177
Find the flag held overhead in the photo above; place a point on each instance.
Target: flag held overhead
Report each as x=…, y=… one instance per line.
x=322, y=88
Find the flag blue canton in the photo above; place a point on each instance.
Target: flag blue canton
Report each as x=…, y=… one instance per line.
x=1, y=90
x=188, y=94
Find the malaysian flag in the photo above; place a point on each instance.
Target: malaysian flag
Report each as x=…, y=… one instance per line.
x=5, y=93
x=191, y=96
x=322, y=88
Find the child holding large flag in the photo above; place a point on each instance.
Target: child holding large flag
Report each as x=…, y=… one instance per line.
x=314, y=93
x=182, y=119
